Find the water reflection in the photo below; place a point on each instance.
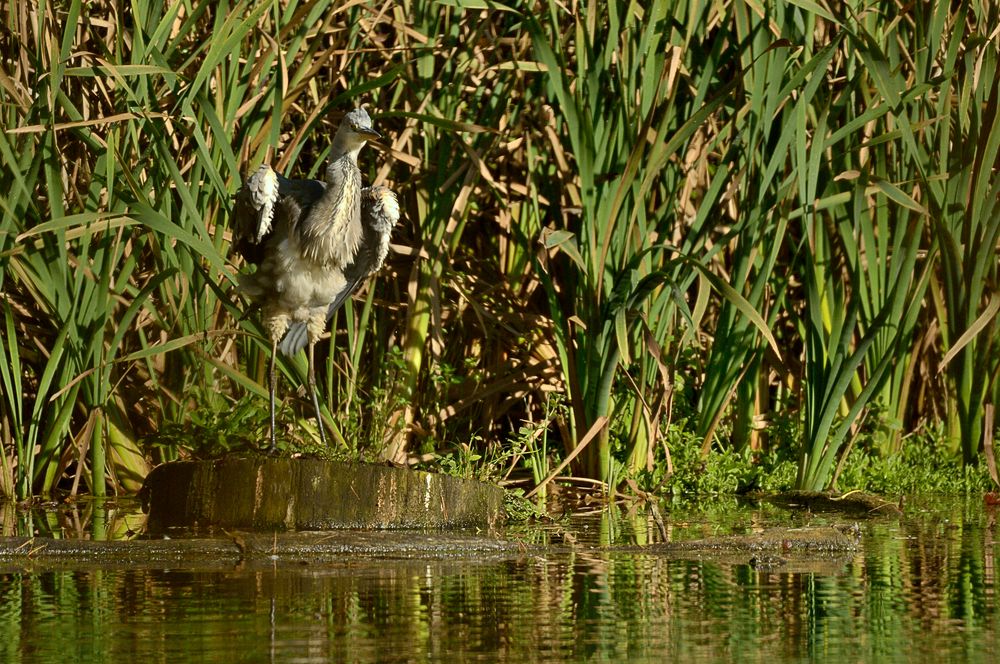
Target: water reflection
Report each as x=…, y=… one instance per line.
x=921, y=588
x=83, y=518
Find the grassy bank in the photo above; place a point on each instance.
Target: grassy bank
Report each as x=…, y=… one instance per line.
x=631, y=232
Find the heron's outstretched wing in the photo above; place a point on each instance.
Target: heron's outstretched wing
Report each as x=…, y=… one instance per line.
x=379, y=214
x=253, y=214
x=265, y=205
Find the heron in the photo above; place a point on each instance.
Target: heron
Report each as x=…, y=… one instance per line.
x=314, y=242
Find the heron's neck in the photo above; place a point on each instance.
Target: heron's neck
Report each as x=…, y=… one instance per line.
x=345, y=144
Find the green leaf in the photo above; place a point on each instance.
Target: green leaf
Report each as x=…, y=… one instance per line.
x=739, y=302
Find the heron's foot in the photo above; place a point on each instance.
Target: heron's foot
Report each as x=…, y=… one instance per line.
x=270, y=449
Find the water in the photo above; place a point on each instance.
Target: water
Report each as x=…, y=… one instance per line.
x=922, y=588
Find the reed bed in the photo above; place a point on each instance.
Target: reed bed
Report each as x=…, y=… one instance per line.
x=621, y=220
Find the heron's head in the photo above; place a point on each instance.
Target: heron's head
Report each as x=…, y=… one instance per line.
x=360, y=123
x=355, y=129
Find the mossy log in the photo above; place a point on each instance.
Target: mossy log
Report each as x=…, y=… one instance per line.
x=255, y=550
x=310, y=494
x=852, y=503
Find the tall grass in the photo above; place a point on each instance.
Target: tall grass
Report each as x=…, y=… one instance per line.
x=120, y=172
x=705, y=215
x=627, y=118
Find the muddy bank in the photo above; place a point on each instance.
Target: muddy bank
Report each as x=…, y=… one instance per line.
x=255, y=549
x=819, y=539
x=774, y=548
x=822, y=549
x=200, y=545
x=853, y=503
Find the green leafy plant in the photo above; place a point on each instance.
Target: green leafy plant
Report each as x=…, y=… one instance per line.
x=625, y=121
x=684, y=218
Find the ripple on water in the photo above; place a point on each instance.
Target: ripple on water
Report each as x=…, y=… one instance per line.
x=920, y=587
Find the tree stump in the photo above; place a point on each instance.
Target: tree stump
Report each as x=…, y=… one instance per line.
x=310, y=494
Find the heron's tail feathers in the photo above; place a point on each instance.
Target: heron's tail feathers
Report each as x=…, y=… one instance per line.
x=295, y=339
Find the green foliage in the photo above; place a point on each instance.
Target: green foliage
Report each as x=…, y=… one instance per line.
x=531, y=445
x=671, y=214
x=464, y=461
x=127, y=140
x=626, y=123
x=210, y=432
x=924, y=465
x=518, y=509
x=963, y=196
x=721, y=474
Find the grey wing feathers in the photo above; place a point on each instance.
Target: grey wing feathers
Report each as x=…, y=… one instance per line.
x=253, y=213
x=262, y=203
x=379, y=213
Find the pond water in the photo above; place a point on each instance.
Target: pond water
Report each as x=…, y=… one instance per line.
x=922, y=587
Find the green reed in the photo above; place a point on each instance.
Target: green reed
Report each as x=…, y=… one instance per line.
x=627, y=120
x=737, y=212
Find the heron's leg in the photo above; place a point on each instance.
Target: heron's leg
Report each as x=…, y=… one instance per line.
x=312, y=388
x=273, y=380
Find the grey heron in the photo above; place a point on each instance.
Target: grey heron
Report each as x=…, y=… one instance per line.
x=314, y=242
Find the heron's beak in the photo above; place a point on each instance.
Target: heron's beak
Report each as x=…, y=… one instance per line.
x=369, y=132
